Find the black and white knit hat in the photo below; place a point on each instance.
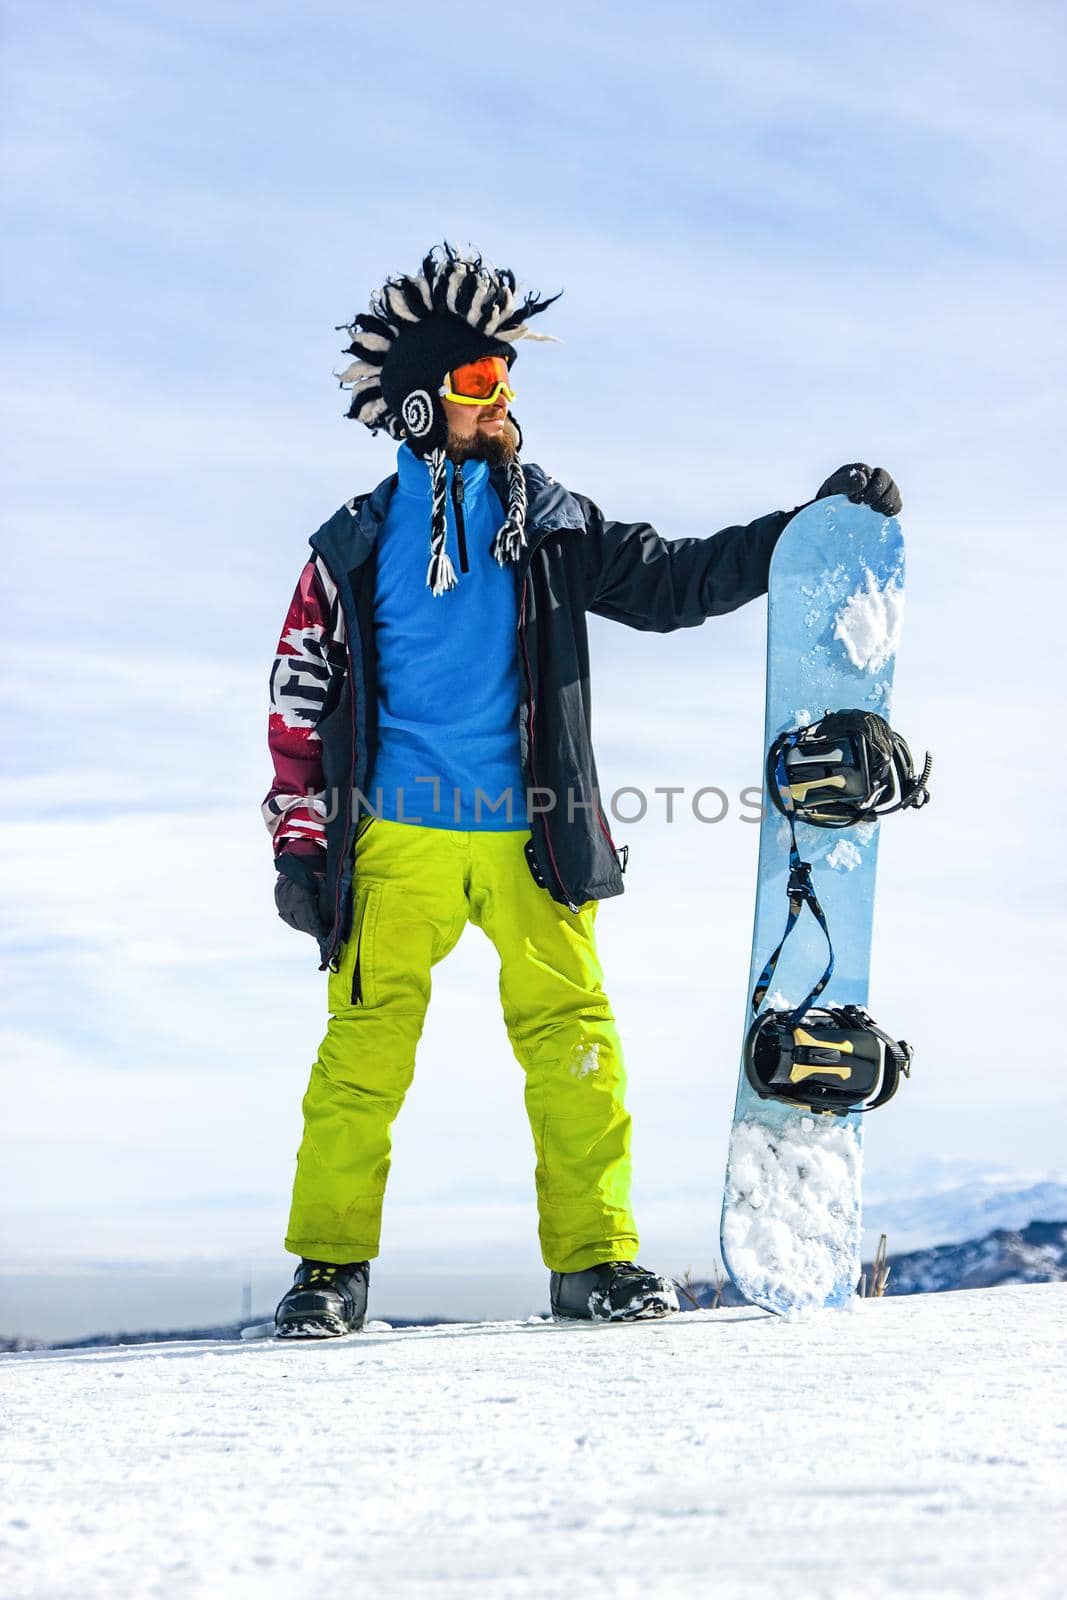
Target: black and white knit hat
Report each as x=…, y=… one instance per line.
x=456, y=309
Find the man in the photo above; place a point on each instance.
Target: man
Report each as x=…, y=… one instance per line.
x=433, y=766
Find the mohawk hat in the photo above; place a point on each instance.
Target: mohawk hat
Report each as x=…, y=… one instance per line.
x=457, y=309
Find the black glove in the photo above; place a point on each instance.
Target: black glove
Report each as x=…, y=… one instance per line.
x=300, y=894
x=868, y=486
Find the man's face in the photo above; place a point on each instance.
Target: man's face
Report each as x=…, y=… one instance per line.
x=480, y=433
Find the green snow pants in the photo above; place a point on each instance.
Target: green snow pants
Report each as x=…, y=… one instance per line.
x=415, y=890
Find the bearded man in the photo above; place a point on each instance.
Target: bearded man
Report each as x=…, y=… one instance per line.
x=433, y=763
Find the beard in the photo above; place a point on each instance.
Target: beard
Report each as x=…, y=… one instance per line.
x=498, y=449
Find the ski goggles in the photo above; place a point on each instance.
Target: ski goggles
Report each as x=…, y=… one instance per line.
x=478, y=383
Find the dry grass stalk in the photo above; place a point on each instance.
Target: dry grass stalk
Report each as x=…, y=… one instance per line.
x=873, y=1287
x=687, y=1285
x=880, y=1269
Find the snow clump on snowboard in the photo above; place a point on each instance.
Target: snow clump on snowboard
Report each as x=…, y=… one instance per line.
x=792, y=1215
x=869, y=623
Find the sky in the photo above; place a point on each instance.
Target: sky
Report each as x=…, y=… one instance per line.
x=788, y=237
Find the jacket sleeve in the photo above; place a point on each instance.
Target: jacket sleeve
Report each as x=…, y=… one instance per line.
x=304, y=683
x=633, y=575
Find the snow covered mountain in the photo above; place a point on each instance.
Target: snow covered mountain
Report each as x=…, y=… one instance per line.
x=962, y=1207
x=1037, y=1254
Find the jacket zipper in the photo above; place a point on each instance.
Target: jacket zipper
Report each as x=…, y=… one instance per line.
x=571, y=906
x=458, y=492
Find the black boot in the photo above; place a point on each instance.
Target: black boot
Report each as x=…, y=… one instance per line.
x=616, y=1291
x=326, y=1301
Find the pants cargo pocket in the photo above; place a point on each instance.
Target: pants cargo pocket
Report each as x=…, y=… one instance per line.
x=353, y=983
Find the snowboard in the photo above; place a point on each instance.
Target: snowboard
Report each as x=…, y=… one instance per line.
x=791, y=1210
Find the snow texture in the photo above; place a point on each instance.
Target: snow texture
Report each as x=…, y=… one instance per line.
x=587, y=1060
x=791, y=1223
x=914, y=1449
x=844, y=856
x=868, y=624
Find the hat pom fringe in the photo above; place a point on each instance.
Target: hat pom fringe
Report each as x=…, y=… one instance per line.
x=510, y=540
x=508, y=544
x=442, y=574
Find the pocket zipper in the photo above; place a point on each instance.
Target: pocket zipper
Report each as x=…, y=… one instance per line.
x=357, y=979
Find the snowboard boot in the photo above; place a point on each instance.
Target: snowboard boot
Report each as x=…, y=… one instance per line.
x=325, y=1301
x=616, y=1291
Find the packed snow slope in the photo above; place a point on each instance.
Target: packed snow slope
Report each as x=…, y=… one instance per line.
x=910, y=1447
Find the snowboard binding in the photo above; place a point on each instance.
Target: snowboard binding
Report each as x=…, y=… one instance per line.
x=832, y=1061
x=846, y=768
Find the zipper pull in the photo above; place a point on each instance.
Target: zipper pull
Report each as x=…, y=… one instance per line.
x=457, y=483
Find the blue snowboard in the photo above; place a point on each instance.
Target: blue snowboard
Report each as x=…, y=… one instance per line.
x=791, y=1210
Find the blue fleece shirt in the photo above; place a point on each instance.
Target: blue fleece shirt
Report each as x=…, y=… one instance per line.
x=448, y=670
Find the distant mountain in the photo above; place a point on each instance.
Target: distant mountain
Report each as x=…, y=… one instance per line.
x=227, y=1330
x=1036, y=1254
x=955, y=1212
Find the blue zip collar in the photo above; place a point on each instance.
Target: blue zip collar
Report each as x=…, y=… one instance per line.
x=348, y=538
x=413, y=475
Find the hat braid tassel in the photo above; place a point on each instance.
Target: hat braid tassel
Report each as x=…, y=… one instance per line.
x=441, y=574
x=511, y=537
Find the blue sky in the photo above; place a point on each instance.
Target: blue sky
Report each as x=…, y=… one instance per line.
x=789, y=237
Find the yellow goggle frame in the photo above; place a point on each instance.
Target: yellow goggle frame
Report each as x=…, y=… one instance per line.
x=474, y=400
x=485, y=368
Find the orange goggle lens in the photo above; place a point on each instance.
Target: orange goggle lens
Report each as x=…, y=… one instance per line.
x=479, y=380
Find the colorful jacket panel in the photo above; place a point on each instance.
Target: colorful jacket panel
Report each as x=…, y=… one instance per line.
x=304, y=680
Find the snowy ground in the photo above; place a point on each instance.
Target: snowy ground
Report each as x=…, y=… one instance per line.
x=915, y=1446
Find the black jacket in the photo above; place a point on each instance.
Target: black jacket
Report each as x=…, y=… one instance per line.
x=576, y=561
